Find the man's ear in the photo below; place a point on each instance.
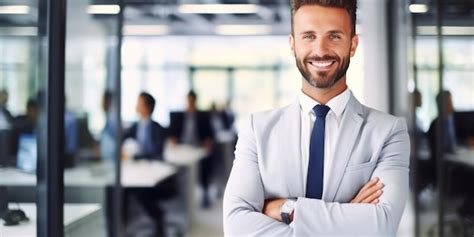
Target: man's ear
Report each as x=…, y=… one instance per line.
x=291, y=40
x=355, y=43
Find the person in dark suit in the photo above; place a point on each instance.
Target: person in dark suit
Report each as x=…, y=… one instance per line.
x=109, y=132
x=228, y=116
x=26, y=123
x=193, y=127
x=149, y=134
x=150, y=137
x=449, y=131
x=428, y=167
x=4, y=112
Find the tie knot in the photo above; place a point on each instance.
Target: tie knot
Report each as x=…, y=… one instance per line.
x=321, y=110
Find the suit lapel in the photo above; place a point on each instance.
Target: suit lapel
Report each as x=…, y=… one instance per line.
x=291, y=140
x=350, y=126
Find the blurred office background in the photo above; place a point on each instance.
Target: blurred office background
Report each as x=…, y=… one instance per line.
x=71, y=81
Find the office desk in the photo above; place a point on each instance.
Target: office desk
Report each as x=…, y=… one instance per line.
x=98, y=175
x=79, y=220
x=186, y=158
x=463, y=156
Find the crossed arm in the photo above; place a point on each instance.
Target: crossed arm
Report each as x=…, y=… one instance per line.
x=246, y=212
x=369, y=194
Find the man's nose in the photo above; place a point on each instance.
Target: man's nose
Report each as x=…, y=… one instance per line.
x=320, y=47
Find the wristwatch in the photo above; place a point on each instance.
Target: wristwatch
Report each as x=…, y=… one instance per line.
x=287, y=209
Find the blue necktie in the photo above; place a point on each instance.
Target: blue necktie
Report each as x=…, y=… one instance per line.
x=314, y=181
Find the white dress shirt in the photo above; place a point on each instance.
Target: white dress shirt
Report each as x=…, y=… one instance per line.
x=143, y=132
x=333, y=119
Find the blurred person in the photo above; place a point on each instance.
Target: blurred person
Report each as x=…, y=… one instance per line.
x=107, y=138
x=229, y=116
x=149, y=134
x=224, y=138
x=17, y=126
x=427, y=168
x=26, y=123
x=150, y=137
x=6, y=117
x=445, y=102
x=71, y=137
x=217, y=118
x=424, y=172
x=193, y=127
x=318, y=166
x=419, y=134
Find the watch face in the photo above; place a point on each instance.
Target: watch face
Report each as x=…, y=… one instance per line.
x=288, y=206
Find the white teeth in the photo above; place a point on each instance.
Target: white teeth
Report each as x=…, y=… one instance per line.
x=322, y=64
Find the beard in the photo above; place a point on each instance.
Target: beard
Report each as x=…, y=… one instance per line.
x=323, y=80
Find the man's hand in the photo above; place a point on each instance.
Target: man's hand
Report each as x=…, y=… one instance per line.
x=271, y=208
x=370, y=193
x=173, y=141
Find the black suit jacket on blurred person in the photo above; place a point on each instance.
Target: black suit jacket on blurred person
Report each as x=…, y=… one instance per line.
x=157, y=135
x=203, y=123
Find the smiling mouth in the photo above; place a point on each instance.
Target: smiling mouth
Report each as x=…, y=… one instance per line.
x=322, y=65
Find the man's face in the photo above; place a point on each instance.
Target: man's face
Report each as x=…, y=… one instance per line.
x=105, y=104
x=322, y=44
x=142, y=108
x=3, y=98
x=191, y=102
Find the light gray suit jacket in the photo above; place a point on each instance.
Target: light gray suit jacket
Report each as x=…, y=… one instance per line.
x=267, y=165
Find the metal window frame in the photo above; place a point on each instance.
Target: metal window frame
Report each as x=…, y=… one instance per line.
x=50, y=175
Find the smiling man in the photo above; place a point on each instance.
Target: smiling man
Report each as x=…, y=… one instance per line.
x=324, y=165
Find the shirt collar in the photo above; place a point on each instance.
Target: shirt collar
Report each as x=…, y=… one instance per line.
x=144, y=121
x=337, y=104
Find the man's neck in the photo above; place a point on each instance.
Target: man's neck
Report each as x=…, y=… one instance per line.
x=324, y=95
x=145, y=118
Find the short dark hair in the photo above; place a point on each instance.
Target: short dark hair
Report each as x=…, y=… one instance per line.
x=31, y=103
x=192, y=94
x=349, y=5
x=108, y=95
x=149, y=101
x=446, y=96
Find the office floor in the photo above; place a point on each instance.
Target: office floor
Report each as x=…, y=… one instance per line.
x=209, y=222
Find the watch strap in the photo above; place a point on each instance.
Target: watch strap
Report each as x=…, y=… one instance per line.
x=285, y=217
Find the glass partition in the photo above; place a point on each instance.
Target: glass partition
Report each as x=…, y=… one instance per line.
x=20, y=102
x=443, y=45
x=90, y=125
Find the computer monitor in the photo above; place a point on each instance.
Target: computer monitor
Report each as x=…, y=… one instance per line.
x=27, y=153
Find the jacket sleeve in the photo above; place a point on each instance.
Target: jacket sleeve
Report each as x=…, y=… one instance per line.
x=313, y=217
x=244, y=194
x=130, y=132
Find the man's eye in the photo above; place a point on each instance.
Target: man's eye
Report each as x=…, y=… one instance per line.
x=310, y=37
x=334, y=36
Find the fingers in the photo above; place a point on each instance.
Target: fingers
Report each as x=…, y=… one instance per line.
x=374, y=196
x=376, y=201
x=370, y=192
x=371, y=183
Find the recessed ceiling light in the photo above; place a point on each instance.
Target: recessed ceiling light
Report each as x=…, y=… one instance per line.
x=418, y=8
x=15, y=9
x=103, y=9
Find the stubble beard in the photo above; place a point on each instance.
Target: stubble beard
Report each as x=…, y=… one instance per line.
x=322, y=81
